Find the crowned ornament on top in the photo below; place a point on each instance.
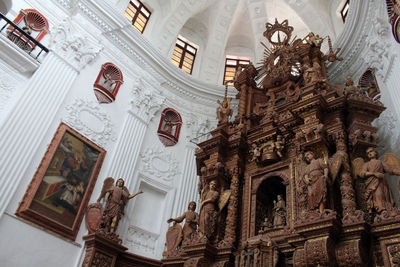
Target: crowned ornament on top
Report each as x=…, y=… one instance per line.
x=278, y=33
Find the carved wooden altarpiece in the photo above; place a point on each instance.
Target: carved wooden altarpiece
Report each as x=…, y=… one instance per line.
x=286, y=160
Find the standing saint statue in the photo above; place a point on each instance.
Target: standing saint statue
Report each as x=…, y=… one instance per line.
x=192, y=220
x=316, y=178
x=279, y=212
x=208, y=210
x=116, y=198
x=377, y=193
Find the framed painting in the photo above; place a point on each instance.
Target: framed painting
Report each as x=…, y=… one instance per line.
x=59, y=192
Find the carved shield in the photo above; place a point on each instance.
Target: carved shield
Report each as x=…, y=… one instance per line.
x=174, y=237
x=94, y=213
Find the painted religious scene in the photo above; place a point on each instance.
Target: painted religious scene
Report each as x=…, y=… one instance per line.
x=66, y=179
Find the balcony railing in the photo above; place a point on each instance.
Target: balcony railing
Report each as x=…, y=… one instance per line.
x=22, y=39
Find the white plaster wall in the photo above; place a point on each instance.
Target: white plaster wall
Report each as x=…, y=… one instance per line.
x=167, y=190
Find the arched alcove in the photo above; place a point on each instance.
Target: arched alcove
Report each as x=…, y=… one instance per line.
x=267, y=193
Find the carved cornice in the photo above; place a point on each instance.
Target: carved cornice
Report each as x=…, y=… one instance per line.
x=76, y=48
x=87, y=117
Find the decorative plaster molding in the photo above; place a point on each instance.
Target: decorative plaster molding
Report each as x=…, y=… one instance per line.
x=198, y=129
x=7, y=88
x=141, y=240
x=158, y=163
x=145, y=102
x=75, y=48
x=86, y=117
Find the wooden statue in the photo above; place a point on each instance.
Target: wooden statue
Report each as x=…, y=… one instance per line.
x=191, y=221
x=350, y=87
x=116, y=198
x=311, y=73
x=316, y=178
x=225, y=111
x=208, y=210
x=279, y=212
x=377, y=194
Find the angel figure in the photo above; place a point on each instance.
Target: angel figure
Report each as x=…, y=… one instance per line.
x=377, y=193
x=192, y=220
x=225, y=111
x=279, y=145
x=116, y=198
x=255, y=152
x=208, y=210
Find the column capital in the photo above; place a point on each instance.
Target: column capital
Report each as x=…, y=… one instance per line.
x=74, y=46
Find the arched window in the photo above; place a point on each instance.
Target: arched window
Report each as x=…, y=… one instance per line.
x=107, y=83
x=31, y=22
x=368, y=83
x=169, y=127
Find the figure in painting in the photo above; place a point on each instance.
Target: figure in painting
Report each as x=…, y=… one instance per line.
x=192, y=220
x=377, y=194
x=316, y=178
x=116, y=198
x=279, y=211
x=208, y=210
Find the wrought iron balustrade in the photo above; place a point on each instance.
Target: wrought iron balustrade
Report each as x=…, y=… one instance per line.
x=21, y=38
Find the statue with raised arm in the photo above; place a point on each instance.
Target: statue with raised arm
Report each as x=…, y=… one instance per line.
x=116, y=198
x=316, y=178
x=191, y=221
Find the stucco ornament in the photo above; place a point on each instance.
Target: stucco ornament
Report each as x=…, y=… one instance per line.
x=87, y=117
x=7, y=88
x=76, y=48
x=160, y=164
x=141, y=240
x=146, y=102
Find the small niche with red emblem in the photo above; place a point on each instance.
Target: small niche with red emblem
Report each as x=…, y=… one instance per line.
x=31, y=22
x=107, y=83
x=169, y=127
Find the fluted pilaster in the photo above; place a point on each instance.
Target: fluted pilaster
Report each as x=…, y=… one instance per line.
x=22, y=132
x=188, y=187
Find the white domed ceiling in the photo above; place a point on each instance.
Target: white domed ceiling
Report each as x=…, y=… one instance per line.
x=235, y=27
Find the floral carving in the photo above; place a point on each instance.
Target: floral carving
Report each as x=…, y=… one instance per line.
x=81, y=115
x=145, y=102
x=158, y=163
x=75, y=48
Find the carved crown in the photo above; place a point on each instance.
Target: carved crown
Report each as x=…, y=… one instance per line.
x=274, y=31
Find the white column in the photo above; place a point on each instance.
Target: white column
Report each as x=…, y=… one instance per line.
x=144, y=105
x=187, y=190
x=23, y=131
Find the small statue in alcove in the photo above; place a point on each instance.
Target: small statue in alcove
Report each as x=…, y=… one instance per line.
x=279, y=212
x=169, y=125
x=192, y=220
x=316, y=179
x=116, y=198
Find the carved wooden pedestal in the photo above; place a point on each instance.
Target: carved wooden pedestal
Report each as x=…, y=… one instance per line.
x=104, y=252
x=101, y=251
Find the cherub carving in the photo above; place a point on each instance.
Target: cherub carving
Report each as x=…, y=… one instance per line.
x=377, y=194
x=279, y=145
x=350, y=87
x=116, y=198
x=313, y=40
